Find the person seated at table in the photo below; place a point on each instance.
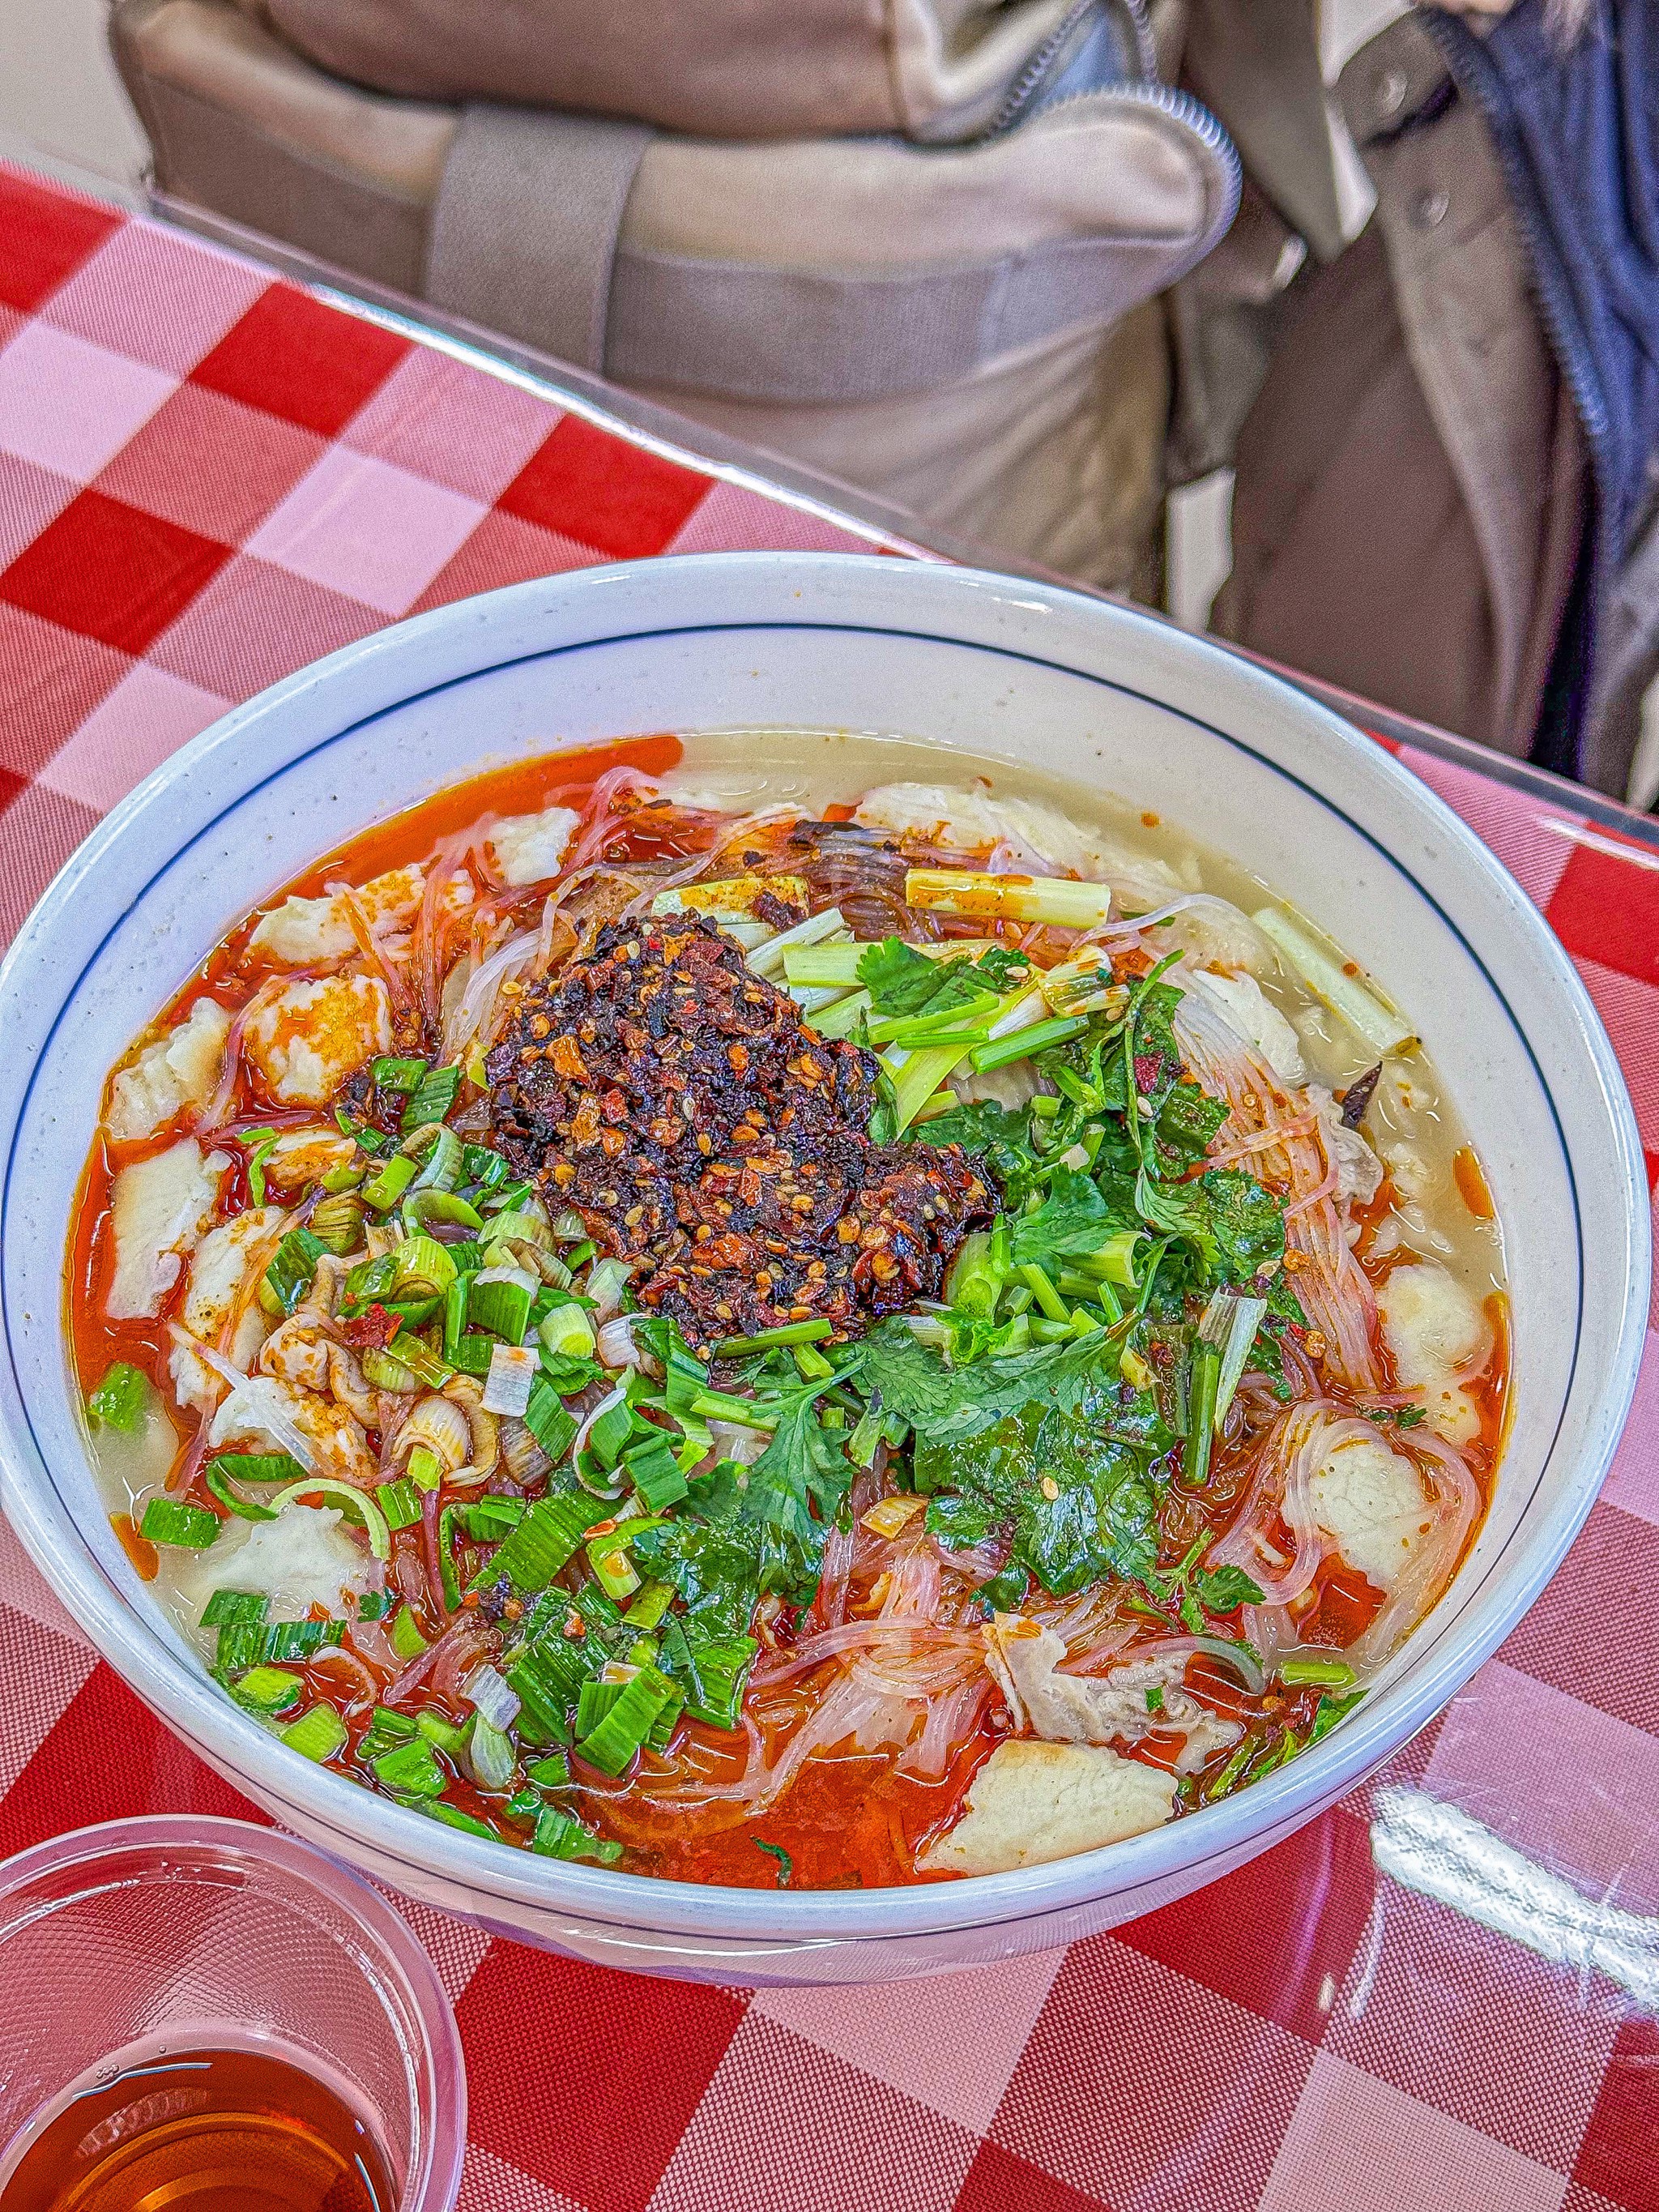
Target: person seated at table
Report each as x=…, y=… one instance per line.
x=976, y=259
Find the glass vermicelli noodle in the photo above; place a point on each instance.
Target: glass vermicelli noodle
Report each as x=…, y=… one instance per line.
x=864, y=1319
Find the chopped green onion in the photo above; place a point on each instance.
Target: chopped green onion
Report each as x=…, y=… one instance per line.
x=122, y=1399
x=498, y=1301
x=613, y=1740
x=261, y=1144
x=487, y=1520
x=794, y=1332
x=549, y=1421
x=437, y=1727
x=649, y=1607
x=439, y=1808
x=423, y=1206
x=1055, y=900
x=244, y=1508
x=1324, y=974
x=442, y=1168
x=267, y=1690
x=567, y=1333
x=1300, y=1666
x=389, y=1074
x=840, y=1020
x=552, y=1772
x=1206, y=1375
x=772, y=958
x=1230, y=1323
x=400, y=1503
x=353, y=1500
x=547, y=1539
x=1020, y=1044
x=317, y=1734
x=559, y=1835
x=716, y=1671
x=421, y=1268
x=388, y=1182
x=384, y=1371
x=245, y=1606
x=247, y=1644
x=431, y=1097
x=167, y=1521
x=404, y=1635
x=1048, y=1298
x=410, y=1770
x=614, y=1571
x=291, y=1272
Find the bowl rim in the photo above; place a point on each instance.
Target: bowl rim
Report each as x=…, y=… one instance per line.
x=594, y=607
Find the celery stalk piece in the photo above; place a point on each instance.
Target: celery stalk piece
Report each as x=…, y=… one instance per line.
x=819, y=965
x=840, y=1020
x=770, y=959
x=917, y=1075
x=1324, y=973
x=732, y=899
x=1055, y=899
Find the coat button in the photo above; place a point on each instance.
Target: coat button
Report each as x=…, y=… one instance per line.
x=1431, y=210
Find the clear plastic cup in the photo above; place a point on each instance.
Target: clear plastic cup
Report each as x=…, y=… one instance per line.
x=202, y=1933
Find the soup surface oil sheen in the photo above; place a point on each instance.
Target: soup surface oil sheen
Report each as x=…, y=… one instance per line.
x=204, y=2131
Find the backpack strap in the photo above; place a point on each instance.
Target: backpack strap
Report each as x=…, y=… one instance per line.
x=523, y=234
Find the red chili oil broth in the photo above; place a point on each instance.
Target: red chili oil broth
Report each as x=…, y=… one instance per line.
x=848, y=1820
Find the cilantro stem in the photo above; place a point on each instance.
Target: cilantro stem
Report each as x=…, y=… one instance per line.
x=794, y=1332
x=1044, y=1292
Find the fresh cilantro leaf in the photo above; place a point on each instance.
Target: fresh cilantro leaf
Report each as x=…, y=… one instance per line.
x=1403, y=1417
x=1246, y=1221
x=1330, y=1710
x=901, y=980
x=718, y=1567
x=943, y=1402
x=1001, y=1138
x=1072, y=1221
x=1186, y=1124
x=1224, y=1589
x=1078, y=1503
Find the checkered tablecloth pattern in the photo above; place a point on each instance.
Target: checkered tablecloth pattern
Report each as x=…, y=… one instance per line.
x=1440, y=1997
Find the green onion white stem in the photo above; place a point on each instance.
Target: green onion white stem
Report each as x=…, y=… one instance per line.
x=1324, y=974
x=1055, y=900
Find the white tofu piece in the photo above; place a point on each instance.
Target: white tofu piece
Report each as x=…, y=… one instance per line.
x=1369, y=1502
x=1434, y=1330
x=528, y=848
x=179, y=1070
x=217, y=1271
x=303, y=931
x=303, y=1156
x=159, y=1208
x=310, y=1036
x=1032, y=1802
x=301, y=1558
x=1250, y=1014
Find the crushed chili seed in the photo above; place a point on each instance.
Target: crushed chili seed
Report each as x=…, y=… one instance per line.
x=747, y=1143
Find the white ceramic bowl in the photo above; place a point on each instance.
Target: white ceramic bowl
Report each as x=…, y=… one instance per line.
x=1001, y=667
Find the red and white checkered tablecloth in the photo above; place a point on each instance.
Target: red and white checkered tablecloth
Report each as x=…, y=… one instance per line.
x=1442, y=1996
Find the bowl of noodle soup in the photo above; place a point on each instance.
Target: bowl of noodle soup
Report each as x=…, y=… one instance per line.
x=795, y=1267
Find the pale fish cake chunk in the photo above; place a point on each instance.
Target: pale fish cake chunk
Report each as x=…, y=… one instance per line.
x=1369, y=1502
x=218, y=1271
x=303, y=931
x=179, y=1070
x=158, y=1210
x=1032, y=1802
x=528, y=848
x=312, y=1035
x=1434, y=1332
